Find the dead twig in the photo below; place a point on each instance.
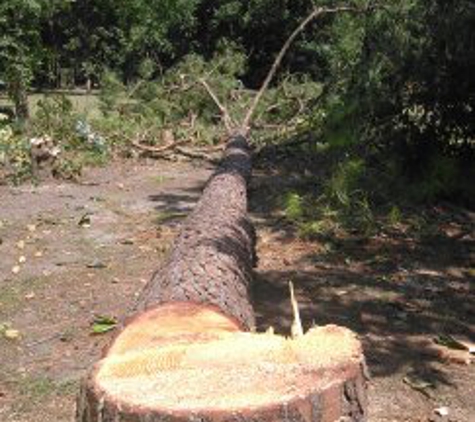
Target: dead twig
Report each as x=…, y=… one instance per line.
x=228, y=122
x=195, y=154
x=159, y=149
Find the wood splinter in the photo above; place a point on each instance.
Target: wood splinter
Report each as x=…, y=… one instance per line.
x=296, y=330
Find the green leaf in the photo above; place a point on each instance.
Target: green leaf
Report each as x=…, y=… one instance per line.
x=450, y=342
x=103, y=324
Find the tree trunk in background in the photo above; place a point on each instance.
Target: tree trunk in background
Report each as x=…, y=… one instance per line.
x=188, y=354
x=18, y=91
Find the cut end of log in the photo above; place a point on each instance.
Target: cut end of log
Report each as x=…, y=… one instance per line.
x=182, y=358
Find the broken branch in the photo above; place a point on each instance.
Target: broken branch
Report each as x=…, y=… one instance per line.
x=228, y=122
x=316, y=13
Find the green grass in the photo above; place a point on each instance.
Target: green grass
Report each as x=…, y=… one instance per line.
x=33, y=389
x=160, y=179
x=166, y=216
x=83, y=103
x=12, y=296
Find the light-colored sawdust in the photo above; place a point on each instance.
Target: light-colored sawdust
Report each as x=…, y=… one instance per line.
x=169, y=367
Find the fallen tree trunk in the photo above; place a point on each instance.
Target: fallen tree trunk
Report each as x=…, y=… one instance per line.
x=189, y=355
x=212, y=259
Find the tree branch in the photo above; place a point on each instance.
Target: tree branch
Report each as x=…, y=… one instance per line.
x=316, y=13
x=228, y=122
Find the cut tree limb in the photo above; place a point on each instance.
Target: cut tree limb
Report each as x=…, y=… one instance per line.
x=157, y=149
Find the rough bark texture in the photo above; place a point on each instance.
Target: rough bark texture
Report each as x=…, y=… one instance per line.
x=212, y=259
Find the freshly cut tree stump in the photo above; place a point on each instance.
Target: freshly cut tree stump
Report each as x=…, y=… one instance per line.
x=189, y=354
x=190, y=362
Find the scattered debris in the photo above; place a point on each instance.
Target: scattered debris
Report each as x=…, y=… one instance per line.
x=31, y=227
x=418, y=384
x=97, y=264
x=11, y=334
x=85, y=220
x=16, y=269
x=22, y=259
x=20, y=244
x=126, y=242
x=442, y=411
x=453, y=342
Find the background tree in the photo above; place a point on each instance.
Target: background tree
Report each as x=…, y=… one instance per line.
x=20, y=49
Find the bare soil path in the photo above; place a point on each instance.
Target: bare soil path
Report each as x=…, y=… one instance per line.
x=69, y=252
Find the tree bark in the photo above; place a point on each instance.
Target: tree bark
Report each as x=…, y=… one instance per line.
x=212, y=258
x=189, y=355
x=19, y=94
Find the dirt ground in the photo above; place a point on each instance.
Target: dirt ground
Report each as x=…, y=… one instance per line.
x=70, y=252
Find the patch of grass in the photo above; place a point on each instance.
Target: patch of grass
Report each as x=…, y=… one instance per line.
x=166, y=216
x=159, y=179
x=12, y=296
x=83, y=103
x=35, y=389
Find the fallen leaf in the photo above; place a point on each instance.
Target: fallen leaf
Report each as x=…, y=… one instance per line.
x=126, y=242
x=85, y=220
x=103, y=324
x=96, y=264
x=450, y=342
x=418, y=384
x=442, y=411
x=11, y=334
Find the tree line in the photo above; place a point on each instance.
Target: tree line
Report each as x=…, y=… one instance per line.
x=396, y=81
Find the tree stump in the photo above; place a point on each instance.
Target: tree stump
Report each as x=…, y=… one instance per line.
x=189, y=353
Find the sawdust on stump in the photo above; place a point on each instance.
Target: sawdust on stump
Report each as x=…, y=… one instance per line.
x=186, y=361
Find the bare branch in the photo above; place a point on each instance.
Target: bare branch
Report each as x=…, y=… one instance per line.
x=196, y=154
x=316, y=13
x=228, y=122
x=156, y=150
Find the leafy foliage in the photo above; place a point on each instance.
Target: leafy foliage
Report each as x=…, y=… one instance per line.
x=388, y=85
